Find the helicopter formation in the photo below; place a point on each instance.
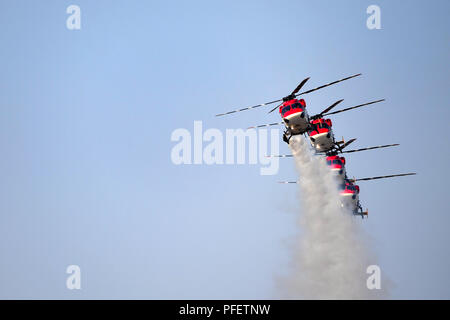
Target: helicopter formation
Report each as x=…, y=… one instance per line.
x=318, y=130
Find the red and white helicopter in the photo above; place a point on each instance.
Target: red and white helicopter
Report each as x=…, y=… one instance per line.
x=349, y=193
x=337, y=163
x=321, y=129
x=292, y=110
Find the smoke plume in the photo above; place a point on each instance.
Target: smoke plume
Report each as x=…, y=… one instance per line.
x=331, y=253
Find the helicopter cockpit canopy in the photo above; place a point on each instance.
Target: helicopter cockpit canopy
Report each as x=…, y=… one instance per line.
x=293, y=106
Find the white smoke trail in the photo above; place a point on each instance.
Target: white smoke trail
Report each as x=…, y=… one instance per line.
x=331, y=254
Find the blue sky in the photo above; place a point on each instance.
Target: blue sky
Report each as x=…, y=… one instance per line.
x=87, y=115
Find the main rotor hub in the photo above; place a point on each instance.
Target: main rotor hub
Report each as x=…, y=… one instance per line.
x=289, y=97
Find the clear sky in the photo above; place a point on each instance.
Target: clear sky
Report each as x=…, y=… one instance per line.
x=86, y=118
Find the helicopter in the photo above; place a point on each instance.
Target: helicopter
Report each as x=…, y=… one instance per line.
x=321, y=132
x=349, y=192
x=337, y=163
x=292, y=110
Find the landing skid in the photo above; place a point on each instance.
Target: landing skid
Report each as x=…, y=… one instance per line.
x=359, y=212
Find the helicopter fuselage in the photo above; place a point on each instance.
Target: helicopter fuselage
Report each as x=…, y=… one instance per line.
x=337, y=167
x=295, y=117
x=321, y=135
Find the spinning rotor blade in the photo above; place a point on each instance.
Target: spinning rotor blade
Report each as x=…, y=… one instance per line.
x=358, y=106
x=274, y=109
x=299, y=86
x=248, y=108
x=370, y=148
x=383, y=177
x=317, y=116
x=348, y=151
x=287, y=182
x=293, y=94
x=265, y=125
x=331, y=107
x=328, y=84
x=347, y=143
x=280, y=156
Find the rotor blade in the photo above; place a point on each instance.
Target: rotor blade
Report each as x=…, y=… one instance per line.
x=299, y=86
x=383, y=177
x=348, y=151
x=280, y=156
x=331, y=107
x=287, y=182
x=248, y=108
x=274, y=109
x=266, y=125
x=328, y=84
x=358, y=106
x=370, y=148
x=347, y=143
x=274, y=101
